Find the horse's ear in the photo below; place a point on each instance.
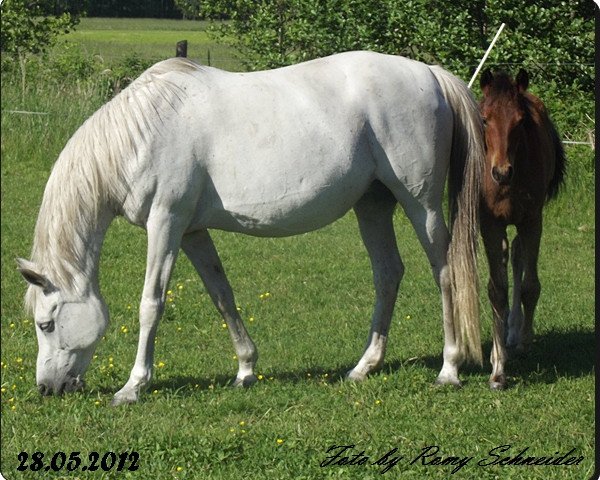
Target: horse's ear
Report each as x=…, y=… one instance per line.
x=31, y=273
x=522, y=80
x=486, y=79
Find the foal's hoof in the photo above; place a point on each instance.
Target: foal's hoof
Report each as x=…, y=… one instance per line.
x=245, y=382
x=498, y=382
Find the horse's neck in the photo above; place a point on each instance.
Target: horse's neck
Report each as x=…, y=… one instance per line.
x=86, y=273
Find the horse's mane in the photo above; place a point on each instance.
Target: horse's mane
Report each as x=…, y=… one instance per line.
x=90, y=174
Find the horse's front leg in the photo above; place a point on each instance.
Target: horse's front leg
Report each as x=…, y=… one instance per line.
x=199, y=248
x=375, y=219
x=496, y=249
x=164, y=237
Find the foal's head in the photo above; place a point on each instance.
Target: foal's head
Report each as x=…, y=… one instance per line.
x=503, y=109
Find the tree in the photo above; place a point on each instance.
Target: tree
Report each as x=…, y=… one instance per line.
x=554, y=37
x=26, y=30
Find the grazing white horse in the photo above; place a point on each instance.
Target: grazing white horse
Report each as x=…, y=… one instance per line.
x=186, y=148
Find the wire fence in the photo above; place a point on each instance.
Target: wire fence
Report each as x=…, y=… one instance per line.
x=224, y=59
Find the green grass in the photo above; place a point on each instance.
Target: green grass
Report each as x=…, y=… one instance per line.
x=309, y=331
x=155, y=39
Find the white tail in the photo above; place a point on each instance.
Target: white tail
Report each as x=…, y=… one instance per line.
x=464, y=181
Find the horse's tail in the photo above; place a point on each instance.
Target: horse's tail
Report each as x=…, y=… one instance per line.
x=560, y=163
x=464, y=182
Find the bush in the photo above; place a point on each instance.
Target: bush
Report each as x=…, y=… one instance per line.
x=551, y=36
x=25, y=30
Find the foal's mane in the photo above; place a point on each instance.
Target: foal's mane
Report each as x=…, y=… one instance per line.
x=90, y=174
x=504, y=87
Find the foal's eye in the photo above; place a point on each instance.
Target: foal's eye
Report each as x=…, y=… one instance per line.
x=484, y=120
x=47, y=326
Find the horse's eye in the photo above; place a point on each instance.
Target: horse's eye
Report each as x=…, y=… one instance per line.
x=47, y=326
x=484, y=121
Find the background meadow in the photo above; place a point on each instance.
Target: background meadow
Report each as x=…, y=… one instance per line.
x=307, y=302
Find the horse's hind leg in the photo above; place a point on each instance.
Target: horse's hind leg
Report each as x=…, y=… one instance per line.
x=199, y=248
x=434, y=237
x=374, y=212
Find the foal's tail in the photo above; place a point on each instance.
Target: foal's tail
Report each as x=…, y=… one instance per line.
x=560, y=163
x=464, y=181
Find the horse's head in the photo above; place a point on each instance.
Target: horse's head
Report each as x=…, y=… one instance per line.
x=68, y=328
x=503, y=110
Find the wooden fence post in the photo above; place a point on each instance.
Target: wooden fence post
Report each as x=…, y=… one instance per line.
x=181, y=50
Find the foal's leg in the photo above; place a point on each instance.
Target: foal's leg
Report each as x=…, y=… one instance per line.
x=164, y=236
x=199, y=248
x=496, y=249
x=530, y=235
x=374, y=212
x=515, y=319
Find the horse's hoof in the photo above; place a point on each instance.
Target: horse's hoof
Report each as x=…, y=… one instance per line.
x=123, y=399
x=444, y=381
x=497, y=385
x=245, y=382
x=355, y=376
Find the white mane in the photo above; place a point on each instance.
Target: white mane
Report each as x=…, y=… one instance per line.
x=90, y=174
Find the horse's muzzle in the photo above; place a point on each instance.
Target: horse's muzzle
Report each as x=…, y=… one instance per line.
x=502, y=176
x=73, y=384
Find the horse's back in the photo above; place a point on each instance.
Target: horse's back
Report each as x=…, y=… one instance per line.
x=289, y=150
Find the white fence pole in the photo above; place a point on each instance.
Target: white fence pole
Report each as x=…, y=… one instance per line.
x=486, y=54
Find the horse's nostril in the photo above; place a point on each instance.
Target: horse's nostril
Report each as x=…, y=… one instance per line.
x=502, y=176
x=509, y=172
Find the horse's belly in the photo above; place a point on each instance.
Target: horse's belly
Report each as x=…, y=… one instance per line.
x=288, y=209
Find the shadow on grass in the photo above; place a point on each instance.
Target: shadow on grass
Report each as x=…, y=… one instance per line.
x=553, y=355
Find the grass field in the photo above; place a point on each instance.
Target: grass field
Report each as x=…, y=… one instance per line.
x=116, y=38
x=310, y=329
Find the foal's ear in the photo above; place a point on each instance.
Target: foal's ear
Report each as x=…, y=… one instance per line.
x=31, y=273
x=522, y=80
x=486, y=79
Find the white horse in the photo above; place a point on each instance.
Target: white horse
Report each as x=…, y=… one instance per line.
x=186, y=148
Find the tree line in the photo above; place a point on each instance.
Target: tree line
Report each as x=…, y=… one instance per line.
x=554, y=38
